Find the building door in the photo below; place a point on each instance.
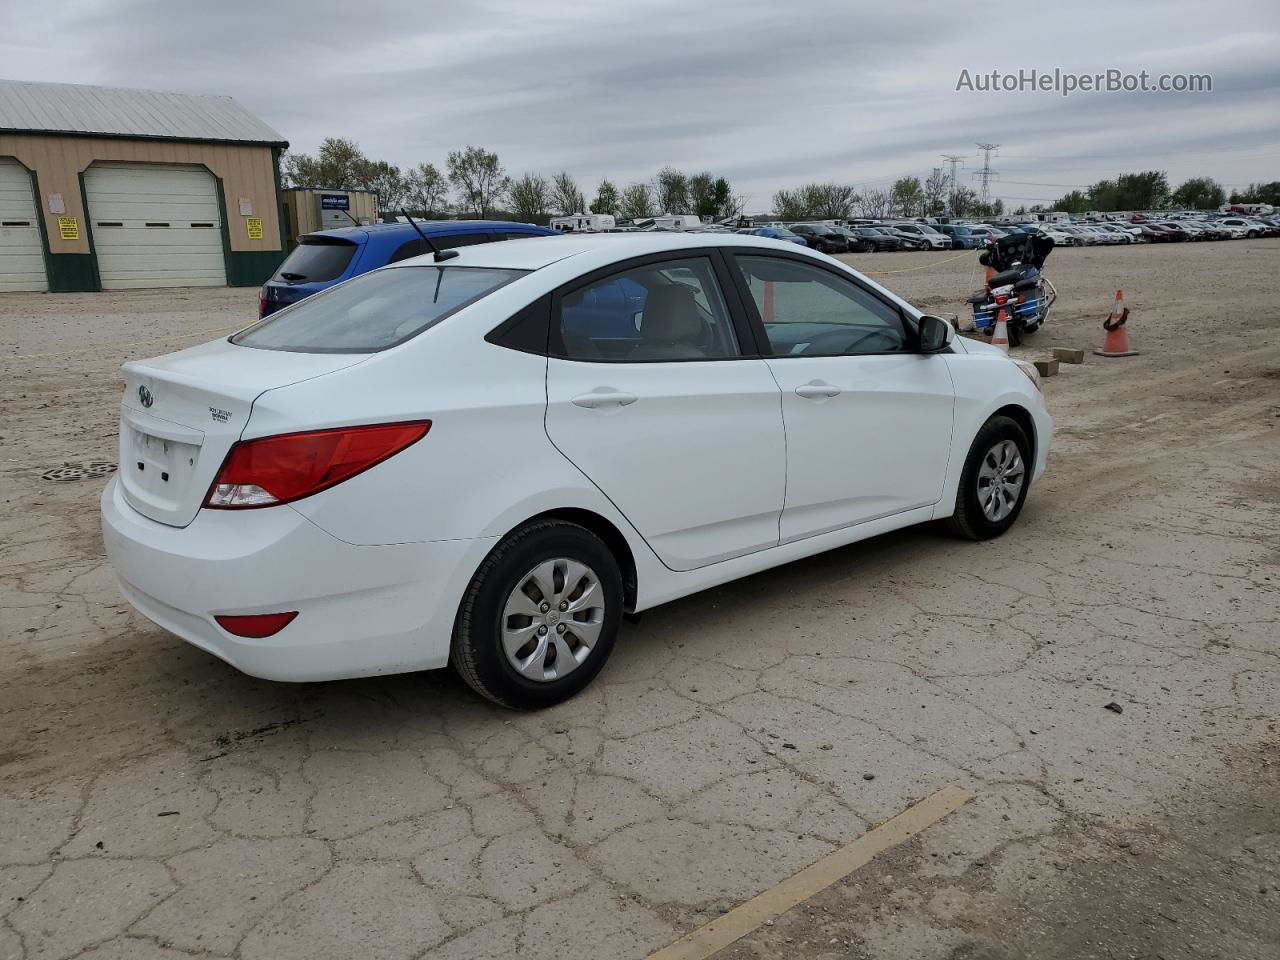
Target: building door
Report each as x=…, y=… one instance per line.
x=21, y=252
x=155, y=226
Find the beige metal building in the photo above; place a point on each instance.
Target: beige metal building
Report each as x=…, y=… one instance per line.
x=308, y=209
x=103, y=188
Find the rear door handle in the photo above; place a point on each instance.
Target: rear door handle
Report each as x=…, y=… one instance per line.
x=817, y=390
x=604, y=397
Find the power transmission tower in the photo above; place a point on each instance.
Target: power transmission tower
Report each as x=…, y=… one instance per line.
x=986, y=173
x=952, y=159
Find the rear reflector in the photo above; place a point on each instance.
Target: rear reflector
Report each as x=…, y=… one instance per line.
x=256, y=626
x=272, y=470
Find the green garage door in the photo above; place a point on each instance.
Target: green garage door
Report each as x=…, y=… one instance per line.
x=155, y=225
x=21, y=252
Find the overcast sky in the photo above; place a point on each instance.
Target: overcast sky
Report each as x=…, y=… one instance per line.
x=769, y=94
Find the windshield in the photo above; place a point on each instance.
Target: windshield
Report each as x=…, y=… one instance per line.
x=316, y=259
x=374, y=311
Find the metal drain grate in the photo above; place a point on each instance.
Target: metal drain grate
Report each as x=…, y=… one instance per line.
x=93, y=470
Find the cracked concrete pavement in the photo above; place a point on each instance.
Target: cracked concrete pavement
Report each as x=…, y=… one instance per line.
x=156, y=804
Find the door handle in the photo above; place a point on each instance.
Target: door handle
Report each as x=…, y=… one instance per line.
x=817, y=390
x=601, y=397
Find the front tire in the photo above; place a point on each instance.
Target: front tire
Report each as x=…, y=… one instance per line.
x=540, y=616
x=994, y=482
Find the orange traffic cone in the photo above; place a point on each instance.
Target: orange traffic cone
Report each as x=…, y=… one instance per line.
x=1000, y=335
x=1116, y=343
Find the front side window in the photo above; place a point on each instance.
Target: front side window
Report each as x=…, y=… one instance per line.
x=672, y=310
x=808, y=311
x=375, y=310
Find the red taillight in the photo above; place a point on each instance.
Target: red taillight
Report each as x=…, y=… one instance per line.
x=256, y=626
x=1002, y=299
x=262, y=303
x=263, y=473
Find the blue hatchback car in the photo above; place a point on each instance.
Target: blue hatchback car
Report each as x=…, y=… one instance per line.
x=323, y=259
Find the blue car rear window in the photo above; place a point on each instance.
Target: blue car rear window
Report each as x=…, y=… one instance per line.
x=316, y=259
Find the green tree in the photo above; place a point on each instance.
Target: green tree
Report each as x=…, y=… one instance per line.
x=479, y=177
x=721, y=200
x=907, y=196
x=1259, y=193
x=636, y=202
x=1073, y=202
x=607, y=199
x=671, y=191
x=1199, y=193
x=338, y=164
x=386, y=182
x=427, y=190
x=699, y=194
x=530, y=196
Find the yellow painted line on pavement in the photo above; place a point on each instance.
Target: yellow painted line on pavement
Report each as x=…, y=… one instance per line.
x=923, y=266
x=121, y=346
x=713, y=937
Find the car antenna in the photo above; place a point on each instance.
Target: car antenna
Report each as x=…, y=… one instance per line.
x=440, y=254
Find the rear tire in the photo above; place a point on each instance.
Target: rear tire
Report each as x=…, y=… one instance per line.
x=972, y=521
x=483, y=632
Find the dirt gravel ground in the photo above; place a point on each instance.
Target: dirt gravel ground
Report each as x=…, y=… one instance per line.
x=156, y=804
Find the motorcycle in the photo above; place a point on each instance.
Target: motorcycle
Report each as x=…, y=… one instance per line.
x=1018, y=286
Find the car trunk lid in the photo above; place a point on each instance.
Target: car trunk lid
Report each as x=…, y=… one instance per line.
x=181, y=414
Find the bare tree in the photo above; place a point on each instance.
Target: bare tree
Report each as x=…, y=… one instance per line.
x=427, y=190
x=874, y=204
x=566, y=198
x=791, y=204
x=636, y=202
x=831, y=201
x=530, y=196
x=479, y=176
x=935, y=192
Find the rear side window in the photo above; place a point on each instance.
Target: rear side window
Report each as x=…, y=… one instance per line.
x=417, y=246
x=315, y=259
x=375, y=310
x=671, y=310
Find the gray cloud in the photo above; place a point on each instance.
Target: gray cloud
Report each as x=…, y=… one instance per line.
x=769, y=94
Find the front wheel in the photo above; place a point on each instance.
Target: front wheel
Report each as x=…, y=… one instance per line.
x=994, y=482
x=540, y=616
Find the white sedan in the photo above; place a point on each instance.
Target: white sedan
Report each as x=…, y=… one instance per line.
x=488, y=457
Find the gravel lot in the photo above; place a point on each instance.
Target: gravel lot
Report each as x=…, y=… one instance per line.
x=156, y=804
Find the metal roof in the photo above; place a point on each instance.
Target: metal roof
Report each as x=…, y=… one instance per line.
x=69, y=108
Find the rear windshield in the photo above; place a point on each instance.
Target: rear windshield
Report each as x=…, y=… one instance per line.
x=374, y=311
x=315, y=259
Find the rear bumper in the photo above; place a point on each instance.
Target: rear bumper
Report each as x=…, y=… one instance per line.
x=362, y=610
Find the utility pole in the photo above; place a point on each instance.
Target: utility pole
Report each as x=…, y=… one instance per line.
x=952, y=159
x=986, y=173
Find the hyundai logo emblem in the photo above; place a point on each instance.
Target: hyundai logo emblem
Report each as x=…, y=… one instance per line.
x=144, y=395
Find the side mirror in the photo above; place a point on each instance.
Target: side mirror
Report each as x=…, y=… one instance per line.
x=936, y=334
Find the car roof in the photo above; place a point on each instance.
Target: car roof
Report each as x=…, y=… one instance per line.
x=430, y=227
x=537, y=252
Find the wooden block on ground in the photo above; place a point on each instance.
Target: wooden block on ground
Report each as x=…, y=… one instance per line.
x=1068, y=356
x=1047, y=368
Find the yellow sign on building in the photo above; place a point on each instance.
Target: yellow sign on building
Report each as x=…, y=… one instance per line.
x=69, y=228
x=254, y=226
